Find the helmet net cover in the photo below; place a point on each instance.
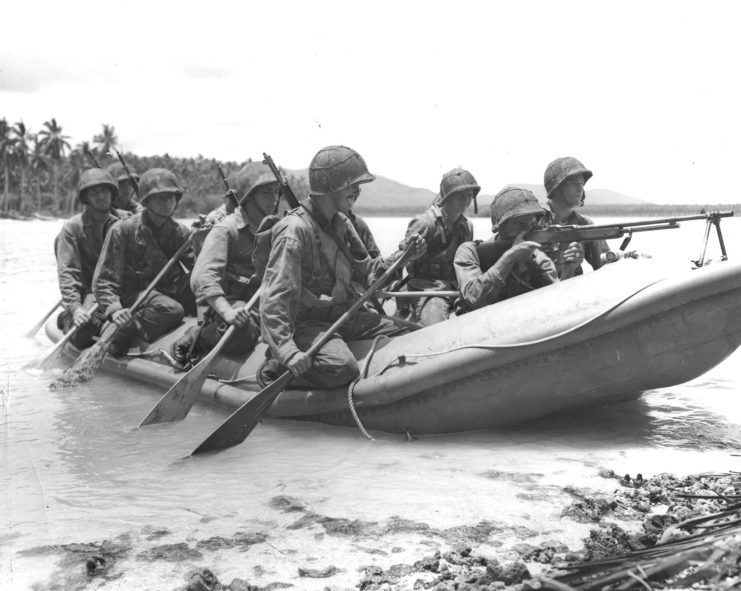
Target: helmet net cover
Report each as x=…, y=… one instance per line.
x=560, y=169
x=511, y=202
x=335, y=168
x=159, y=180
x=94, y=177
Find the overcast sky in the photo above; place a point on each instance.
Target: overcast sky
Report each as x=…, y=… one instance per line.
x=646, y=94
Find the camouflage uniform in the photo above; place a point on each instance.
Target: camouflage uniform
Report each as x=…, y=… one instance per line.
x=134, y=252
x=481, y=281
x=224, y=266
x=435, y=270
x=77, y=249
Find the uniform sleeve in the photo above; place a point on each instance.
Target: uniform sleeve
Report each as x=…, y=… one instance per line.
x=476, y=286
x=209, y=271
x=69, y=269
x=543, y=270
x=366, y=236
x=280, y=295
x=594, y=248
x=418, y=225
x=109, y=271
x=188, y=256
x=593, y=252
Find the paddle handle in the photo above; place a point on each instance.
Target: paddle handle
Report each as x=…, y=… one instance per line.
x=431, y=293
x=230, y=331
x=110, y=330
x=30, y=334
x=370, y=292
x=53, y=355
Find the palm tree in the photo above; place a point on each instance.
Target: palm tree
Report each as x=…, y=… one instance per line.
x=38, y=165
x=6, y=149
x=20, y=152
x=54, y=144
x=107, y=139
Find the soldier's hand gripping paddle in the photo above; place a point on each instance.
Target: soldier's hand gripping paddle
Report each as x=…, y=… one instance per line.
x=235, y=429
x=31, y=333
x=51, y=358
x=86, y=365
x=178, y=400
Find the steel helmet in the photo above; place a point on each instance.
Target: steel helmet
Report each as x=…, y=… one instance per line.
x=336, y=167
x=560, y=169
x=93, y=177
x=159, y=180
x=249, y=178
x=118, y=172
x=511, y=202
x=455, y=181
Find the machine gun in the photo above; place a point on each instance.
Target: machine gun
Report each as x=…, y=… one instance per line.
x=553, y=236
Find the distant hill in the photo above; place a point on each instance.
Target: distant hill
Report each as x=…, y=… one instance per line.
x=596, y=197
x=389, y=197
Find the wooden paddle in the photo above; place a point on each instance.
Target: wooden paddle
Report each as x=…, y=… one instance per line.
x=51, y=358
x=242, y=421
x=429, y=293
x=31, y=333
x=86, y=365
x=177, y=401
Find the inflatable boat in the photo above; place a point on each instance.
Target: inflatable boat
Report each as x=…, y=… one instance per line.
x=598, y=338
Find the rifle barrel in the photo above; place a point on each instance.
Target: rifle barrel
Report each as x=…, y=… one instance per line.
x=684, y=218
x=283, y=181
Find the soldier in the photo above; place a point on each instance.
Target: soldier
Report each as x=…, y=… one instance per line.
x=77, y=248
x=126, y=199
x=134, y=252
x=307, y=283
x=506, y=265
x=361, y=226
x=564, y=181
x=224, y=276
x=444, y=228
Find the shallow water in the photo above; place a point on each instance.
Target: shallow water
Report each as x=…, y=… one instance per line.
x=75, y=469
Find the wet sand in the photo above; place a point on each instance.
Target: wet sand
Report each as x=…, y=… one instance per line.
x=307, y=550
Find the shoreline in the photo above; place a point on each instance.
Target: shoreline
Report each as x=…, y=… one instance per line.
x=309, y=550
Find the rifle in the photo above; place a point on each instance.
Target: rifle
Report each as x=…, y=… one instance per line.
x=229, y=191
x=554, y=235
x=92, y=158
x=285, y=188
x=132, y=180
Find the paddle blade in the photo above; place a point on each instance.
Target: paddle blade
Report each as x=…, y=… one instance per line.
x=84, y=368
x=242, y=421
x=177, y=401
x=31, y=333
x=49, y=361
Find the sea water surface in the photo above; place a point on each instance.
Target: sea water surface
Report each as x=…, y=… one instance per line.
x=74, y=468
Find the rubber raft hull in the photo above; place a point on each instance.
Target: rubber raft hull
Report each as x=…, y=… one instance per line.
x=591, y=340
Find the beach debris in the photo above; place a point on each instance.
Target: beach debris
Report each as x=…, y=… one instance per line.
x=203, y=580
x=691, y=538
x=169, y=553
x=95, y=565
x=316, y=573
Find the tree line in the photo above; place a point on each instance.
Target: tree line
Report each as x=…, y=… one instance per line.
x=40, y=170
